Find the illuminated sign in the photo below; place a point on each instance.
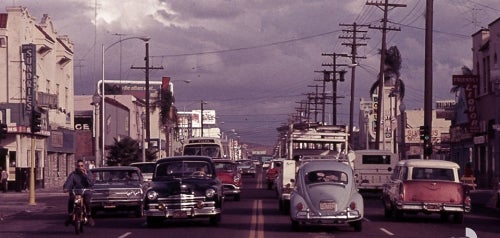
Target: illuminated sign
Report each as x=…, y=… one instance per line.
x=29, y=57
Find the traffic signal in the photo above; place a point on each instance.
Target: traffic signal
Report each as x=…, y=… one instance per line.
x=427, y=148
x=36, y=121
x=425, y=133
x=3, y=130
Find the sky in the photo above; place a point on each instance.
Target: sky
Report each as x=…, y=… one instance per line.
x=254, y=61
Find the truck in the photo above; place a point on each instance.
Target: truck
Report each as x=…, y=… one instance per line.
x=373, y=168
x=307, y=141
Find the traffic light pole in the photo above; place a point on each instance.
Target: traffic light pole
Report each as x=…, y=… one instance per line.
x=32, y=172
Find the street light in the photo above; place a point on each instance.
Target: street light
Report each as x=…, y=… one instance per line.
x=103, y=50
x=96, y=99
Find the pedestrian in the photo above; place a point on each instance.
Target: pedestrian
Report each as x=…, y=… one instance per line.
x=4, y=178
x=468, y=170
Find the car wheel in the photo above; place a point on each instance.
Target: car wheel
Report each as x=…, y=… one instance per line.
x=498, y=200
x=214, y=220
x=387, y=210
x=139, y=211
x=398, y=214
x=458, y=218
x=154, y=221
x=295, y=226
x=444, y=216
x=237, y=197
x=358, y=225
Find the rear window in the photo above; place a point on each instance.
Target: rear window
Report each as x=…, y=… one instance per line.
x=376, y=159
x=433, y=174
x=324, y=176
x=115, y=176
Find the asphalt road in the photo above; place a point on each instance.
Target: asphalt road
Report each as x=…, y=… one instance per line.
x=255, y=216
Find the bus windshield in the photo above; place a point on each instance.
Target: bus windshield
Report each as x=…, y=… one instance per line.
x=203, y=150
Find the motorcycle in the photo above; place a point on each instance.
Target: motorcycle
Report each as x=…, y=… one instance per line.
x=79, y=214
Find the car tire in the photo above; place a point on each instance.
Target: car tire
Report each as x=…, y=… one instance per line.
x=397, y=214
x=154, y=221
x=444, y=216
x=357, y=225
x=295, y=226
x=237, y=197
x=139, y=211
x=458, y=218
x=387, y=210
x=214, y=220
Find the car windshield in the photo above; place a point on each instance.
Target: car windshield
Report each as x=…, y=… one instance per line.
x=145, y=168
x=204, y=150
x=183, y=169
x=433, y=174
x=325, y=176
x=115, y=176
x=246, y=163
x=224, y=167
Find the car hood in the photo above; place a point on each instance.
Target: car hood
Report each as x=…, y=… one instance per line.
x=182, y=186
x=103, y=186
x=331, y=192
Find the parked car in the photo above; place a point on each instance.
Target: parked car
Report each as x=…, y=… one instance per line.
x=184, y=187
x=147, y=169
x=118, y=188
x=325, y=193
x=231, y=179
x=426, y=186
x=246, y=167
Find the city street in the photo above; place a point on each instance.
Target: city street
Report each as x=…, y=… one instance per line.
x=255, y=216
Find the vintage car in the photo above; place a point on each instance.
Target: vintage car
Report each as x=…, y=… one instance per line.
x=231, y=179
x=246, y=167
x=184, y=187
x=325, y=194
x=426, y=186
x=117, y=188
x=147, y=169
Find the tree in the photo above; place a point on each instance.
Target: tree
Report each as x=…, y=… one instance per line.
x=392, y=70
x=124, y=152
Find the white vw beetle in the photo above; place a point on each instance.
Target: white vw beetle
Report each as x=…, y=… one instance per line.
x=325, y=193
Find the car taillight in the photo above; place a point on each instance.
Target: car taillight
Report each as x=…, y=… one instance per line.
x=299, y=206
x=352, y=206
x=467, y=201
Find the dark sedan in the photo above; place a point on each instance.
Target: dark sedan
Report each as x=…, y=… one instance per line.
x=184, y=187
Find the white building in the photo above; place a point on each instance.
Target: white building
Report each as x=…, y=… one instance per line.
x=36, y=73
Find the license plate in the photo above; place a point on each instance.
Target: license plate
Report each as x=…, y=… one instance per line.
x=433, y=207
x=327, y=206
x=179, y=214
x=109, y=205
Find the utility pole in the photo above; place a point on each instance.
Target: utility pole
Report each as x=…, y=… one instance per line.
x=354, y=55
x=384, y=7
x=147, y=68
x=314, y=96
x=334, y=66
x=428, y=77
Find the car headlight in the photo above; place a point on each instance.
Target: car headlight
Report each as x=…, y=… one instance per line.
x=236, y=178
x=152, y=195
x=210, y=193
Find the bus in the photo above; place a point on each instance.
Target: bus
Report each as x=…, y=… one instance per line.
x=205, y=146
x=373, y=168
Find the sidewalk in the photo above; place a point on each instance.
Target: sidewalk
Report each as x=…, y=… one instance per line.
x=12, y=202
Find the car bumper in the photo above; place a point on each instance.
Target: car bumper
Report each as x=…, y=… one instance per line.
x=231, y=189
x=432, y=207
x=332, y=218
x=161, y=210
x=115, y=204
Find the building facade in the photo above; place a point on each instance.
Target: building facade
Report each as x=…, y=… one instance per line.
x=36, y=77
x=475, y=136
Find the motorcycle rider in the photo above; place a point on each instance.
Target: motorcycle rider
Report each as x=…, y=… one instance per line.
x=79, y=179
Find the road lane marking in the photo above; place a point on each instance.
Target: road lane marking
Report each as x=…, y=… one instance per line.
x=257, y=220
x=386, y=231
x=125, y=235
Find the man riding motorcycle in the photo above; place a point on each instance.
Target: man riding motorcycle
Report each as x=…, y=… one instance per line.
x=79, y=179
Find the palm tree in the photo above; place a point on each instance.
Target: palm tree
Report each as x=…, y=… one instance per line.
x=392, y=69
